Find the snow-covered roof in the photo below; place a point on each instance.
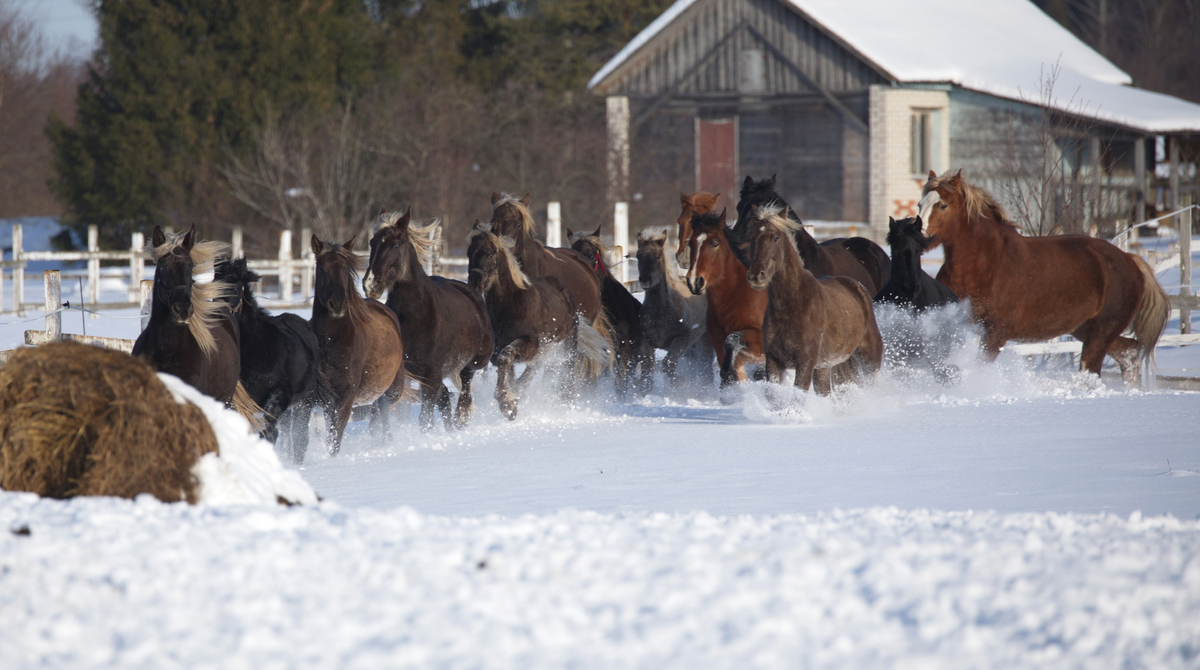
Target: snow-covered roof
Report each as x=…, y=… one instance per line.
x=999, y=47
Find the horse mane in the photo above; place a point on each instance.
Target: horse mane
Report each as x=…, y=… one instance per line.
x=771, y=214
x=979, y=203
x=356, y=305
x=504, y=245
x=708, y=223
x=670, y=269
x=207, y=299
x=527, y=224
x=239, y=275
x=420, y=237
x=760, y=187
x=595, y=241
x=703, y=199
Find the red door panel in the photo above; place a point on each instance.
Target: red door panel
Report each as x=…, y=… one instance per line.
x=716, y=157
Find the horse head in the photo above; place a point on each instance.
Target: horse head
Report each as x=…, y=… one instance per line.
x=700, y=202
x=337, y=267
x=650, y=258
x=173, y=271
x=754, y=194
x=390, y=259
x=770, y=238
x=707, y=245
x=240, y=278
x=482, y=257
x=591, y=248
x=948, y=203
x=510, y=216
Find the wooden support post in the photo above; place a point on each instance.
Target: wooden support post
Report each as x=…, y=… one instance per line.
x=93, y=269
x=235, y=247
x=146, y=288
x=285, y=266
x=53, y=291
x=1183, y=223
x=1139, y=178
x=1, y=284
x=1097, y=172
x=137, y=265
x=617, y=116
x=19, y=270
x=308, y=264
x=621, y=235
x=553, y=225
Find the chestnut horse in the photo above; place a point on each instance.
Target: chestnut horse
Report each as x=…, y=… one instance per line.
x=733, y=305
x=690, y=206
x=1035, y=288
x=811, y=324
x=854, y=257
x=361, y=353
x=511, y=218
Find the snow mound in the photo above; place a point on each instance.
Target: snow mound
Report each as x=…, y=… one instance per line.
x=247, y=470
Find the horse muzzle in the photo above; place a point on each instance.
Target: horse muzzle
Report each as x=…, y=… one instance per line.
x=371, y=287
x=758, y=280
x=697, y=286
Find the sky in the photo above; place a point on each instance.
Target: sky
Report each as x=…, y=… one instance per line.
x=67, y=24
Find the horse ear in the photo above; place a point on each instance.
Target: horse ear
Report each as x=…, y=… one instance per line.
x=495, y=198
x=570, y=234
x=772, y=180
x=723, y=211
x=891, y=220
x=318, y=247
x=527, y=199
x=786, y=210
x=382, y=211
x=189, y=240
x=597, y=233
x=683, y=198
x=956, y=178
x=349, y=244
x=405, y=218
x=748, y=182
x=932, y=174
x=158, y=238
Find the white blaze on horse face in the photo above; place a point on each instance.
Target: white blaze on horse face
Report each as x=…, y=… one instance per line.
x=925, y=208
x=699, y=240
x=369, y=283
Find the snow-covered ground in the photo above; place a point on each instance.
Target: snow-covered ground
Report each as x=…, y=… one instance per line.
x=1027, y=517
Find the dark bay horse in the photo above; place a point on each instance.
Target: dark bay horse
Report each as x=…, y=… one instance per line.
x=910, y=286
x=733, y=305
x=811, y=324
x=191, y=333
x=620, y=307
x=672, y=318
x=445, y=325
x=511, y=218
x=1035, y=288
x=527, y=313
x=278, y=359
x=361, y=351
x=854, y=257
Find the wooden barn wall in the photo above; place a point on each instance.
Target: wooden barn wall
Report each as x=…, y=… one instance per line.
x=694, y=36
x=821, y=165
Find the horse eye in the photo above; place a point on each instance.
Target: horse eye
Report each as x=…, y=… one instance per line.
x=775, y=238
x=716, y=243
x=943, y=205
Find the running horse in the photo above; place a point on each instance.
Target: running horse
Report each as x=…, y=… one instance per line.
x=1028, y=289
x=733, y=305
x=854, y=257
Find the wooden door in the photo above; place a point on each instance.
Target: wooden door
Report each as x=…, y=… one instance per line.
x=716, y=159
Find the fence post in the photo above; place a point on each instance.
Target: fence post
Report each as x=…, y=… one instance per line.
x=53, y=284
x=285, y=266
x=308, y=264
x=146, y=287
x=553, y=225
x=621, y=235
x=93, y=268
x=18, y=270
x=1183, y=223
x=137, y=265
x=236, y=243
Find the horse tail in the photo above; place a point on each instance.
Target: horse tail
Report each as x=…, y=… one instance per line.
x=243, y=404
x=1152, y=313
x=602, y=324
x=594, y=348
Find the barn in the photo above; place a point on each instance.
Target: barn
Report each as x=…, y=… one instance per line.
x=852, y=102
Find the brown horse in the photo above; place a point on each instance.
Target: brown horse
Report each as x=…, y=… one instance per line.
x=733, y=305
x=691, y=206
x=361, y=353
x=1036, y=288
x=811, y=324
x=854, y=257
x=511, y=218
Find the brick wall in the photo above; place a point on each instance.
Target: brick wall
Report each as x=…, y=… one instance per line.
x=894, y=189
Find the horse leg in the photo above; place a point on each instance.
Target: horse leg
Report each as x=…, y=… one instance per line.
x=1124, y=351
x=446, y=407
x=429, y=397
x=272, y=413
x=735, y=344
x=299, y=415
x=335, y=419
x=466, y=403
x=671, y=362
x=994, y=340
x=822, y=380
x=505, y=394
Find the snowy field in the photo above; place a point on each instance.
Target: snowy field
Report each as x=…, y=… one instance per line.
x=1027, y=517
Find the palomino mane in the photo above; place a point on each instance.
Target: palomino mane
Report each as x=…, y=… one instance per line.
x=978, y=203
x=420, y=237
x=505, y=247
x=527, y=224
x=771, y=214
x=207, y=299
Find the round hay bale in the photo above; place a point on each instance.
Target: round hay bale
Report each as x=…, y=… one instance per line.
x=80, y=420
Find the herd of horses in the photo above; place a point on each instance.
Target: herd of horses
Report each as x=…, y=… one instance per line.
x=760, y=292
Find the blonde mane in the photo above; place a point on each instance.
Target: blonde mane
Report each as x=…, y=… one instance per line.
x=208, y=299
x=978, y=203
x=771, y=214
x=504, y=246
x=527, y=224
x=590, y=238
x=420, y=237
x=670, y=268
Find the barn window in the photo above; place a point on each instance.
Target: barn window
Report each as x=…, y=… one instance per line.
x=753, y=73
x=926, y=141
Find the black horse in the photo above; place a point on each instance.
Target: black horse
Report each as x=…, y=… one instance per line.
x=279, y=359
x=910, y=286
x=854, y=257
x=915, y=329
x=446, y=328
x=623, y=311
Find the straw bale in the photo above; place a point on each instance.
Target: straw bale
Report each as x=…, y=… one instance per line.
x=81, y=420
